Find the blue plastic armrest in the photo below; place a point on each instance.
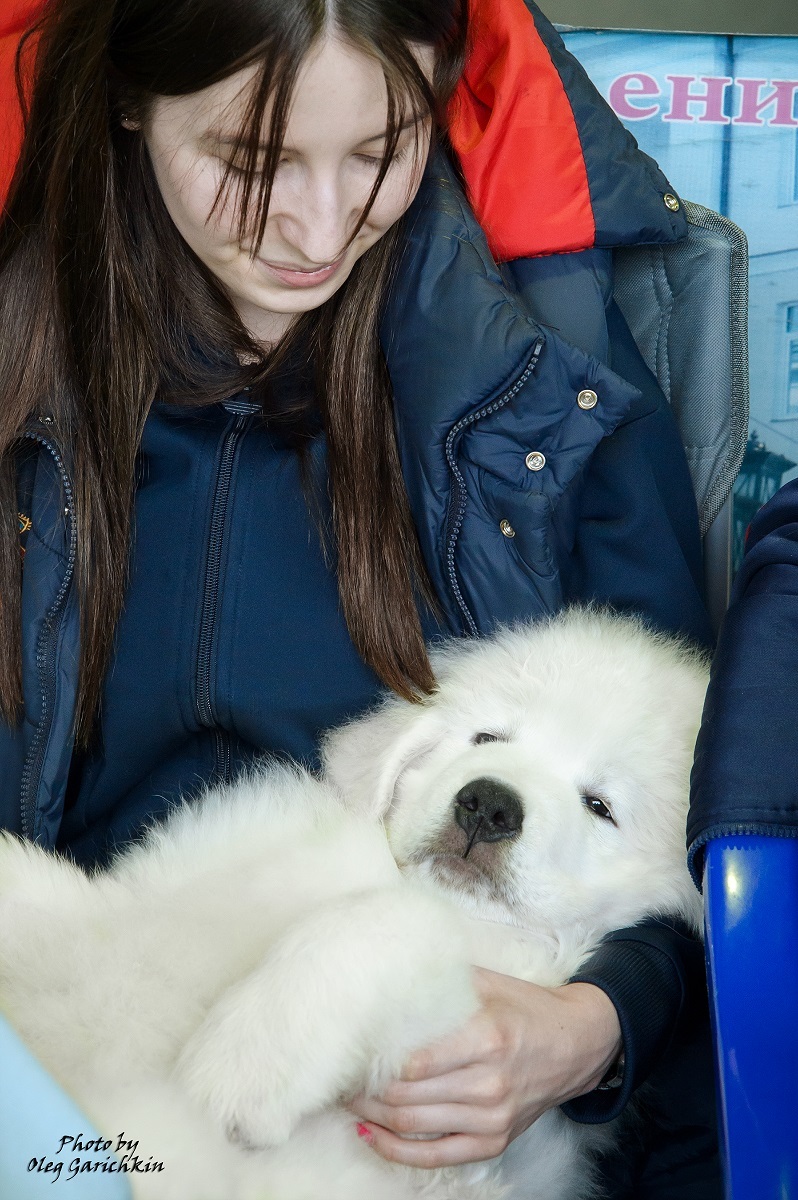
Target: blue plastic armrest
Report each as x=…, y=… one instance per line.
x=751, y=896
x=35, y=1114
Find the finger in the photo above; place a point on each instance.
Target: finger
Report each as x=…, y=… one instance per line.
x=435, y=1118
x=474, y=1042
x=447, y=1151
x=475, y=1084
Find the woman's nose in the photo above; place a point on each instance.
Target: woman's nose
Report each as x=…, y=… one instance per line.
x=318, y=219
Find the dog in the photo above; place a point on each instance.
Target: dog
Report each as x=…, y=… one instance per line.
x=287, y=942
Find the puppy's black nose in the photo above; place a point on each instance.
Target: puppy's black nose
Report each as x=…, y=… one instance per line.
x=488, y=811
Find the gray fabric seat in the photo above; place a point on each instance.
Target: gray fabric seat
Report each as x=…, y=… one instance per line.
x=687, y=307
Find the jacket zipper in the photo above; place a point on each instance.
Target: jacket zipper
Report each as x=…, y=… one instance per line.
x=46, y=649
x=210, y=599
x=457, y=513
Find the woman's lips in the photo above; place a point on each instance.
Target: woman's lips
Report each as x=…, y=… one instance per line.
x=294, y=277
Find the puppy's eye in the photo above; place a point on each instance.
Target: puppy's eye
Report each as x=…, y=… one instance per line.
x=479, y=739
x=597, y=806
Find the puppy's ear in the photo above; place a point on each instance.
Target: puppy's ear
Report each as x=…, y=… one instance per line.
x=365, y=758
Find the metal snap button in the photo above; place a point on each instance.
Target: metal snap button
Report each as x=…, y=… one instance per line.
x=507, y=529
x=535, y=460
x=671, y=202
x=587, y=399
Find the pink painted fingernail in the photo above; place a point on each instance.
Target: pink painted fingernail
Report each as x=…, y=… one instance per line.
x=364, y=1132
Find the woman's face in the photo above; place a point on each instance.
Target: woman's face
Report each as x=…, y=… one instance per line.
x=329, y=162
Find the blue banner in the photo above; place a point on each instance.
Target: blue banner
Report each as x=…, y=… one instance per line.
x=720, y=115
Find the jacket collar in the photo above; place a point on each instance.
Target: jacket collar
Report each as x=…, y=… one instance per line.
x=549, y=166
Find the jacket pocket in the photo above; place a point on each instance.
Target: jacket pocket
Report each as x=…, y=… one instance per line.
x=523, y=523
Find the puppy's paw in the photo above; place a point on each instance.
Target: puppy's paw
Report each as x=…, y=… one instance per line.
x=226, y=1070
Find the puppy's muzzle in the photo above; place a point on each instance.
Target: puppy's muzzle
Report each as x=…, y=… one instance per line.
x=488, y=811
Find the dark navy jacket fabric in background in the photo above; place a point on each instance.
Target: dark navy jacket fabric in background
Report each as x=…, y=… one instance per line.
x=745, y=777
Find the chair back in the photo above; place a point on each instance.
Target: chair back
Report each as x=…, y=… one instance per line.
x=687, y=307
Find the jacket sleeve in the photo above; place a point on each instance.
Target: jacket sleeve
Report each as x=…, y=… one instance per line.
x=638, y=548
x=744, y=777
x=654, y=974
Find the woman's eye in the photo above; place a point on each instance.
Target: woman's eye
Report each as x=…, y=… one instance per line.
x=597, y=806
x=375, y=161
x=239, y=169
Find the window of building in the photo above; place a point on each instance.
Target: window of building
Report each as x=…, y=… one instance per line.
x=792, y=359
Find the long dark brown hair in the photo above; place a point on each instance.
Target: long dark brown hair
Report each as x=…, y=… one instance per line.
x=103, y=306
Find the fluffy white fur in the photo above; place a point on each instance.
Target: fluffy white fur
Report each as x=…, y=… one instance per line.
x=261, y=956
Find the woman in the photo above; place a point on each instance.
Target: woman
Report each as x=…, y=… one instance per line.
x=217, y=211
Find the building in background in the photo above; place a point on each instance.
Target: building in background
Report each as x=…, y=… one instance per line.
x=720, y=115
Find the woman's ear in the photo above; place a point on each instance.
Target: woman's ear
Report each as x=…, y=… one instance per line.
x=365, y=758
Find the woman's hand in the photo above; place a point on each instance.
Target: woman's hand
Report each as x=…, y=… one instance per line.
x=526, y=1050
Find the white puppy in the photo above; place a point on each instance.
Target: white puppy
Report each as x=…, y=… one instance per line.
x=261, y=957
